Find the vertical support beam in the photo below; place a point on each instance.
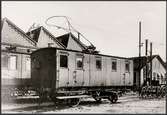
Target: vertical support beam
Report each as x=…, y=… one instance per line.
x=139, y=52
x=139, y=39
x=150, y=62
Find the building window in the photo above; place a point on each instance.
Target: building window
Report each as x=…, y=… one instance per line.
x=114, y=65
x=13, y=62
x=127, y=66
x=28, y=63
x=79, y=62
x=98, y=63
x=63, y=61
x=4, y=61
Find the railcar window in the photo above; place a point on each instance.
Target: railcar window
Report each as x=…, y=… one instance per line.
x=79, y=62
x=127, y=68
x=114, y=65
x=4, y=61
x=98, y=63
x=13, y=62
x=63, y=61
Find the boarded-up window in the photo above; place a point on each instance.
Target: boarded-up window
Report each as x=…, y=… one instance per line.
x=13, y=62
x=63, y=61
x=114, y=65
x=98, y=63
x=79, y=62
x=28, y=63
x=127, y=66
x=4, y=61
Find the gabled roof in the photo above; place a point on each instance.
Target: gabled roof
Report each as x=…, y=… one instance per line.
x=143, y=60
x=65, y=38
x=36, y=32
x=17, y=28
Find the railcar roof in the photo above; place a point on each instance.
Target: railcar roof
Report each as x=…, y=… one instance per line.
x=80, y=52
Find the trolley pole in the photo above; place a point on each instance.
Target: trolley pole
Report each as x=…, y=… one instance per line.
x=139, y=51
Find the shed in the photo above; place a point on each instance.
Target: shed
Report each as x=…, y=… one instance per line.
x=158, y=69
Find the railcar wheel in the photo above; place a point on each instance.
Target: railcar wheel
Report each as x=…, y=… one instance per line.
x=113, y=98
x=73, y=102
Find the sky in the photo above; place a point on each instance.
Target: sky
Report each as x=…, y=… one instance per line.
x=113, y=27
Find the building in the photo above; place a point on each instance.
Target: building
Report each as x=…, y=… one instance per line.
x=16, y=47
x=158, y=70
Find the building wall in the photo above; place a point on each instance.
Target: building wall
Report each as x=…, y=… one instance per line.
x=11, y=73
x=157, y=70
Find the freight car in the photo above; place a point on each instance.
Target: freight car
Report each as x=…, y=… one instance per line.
x=70, y=75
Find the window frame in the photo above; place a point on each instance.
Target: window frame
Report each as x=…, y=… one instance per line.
x=98, y=59
x=63, y=54
x=7, y=61
x=82, y=57
x=15, y=61
x=127, y=62
x=114, y=60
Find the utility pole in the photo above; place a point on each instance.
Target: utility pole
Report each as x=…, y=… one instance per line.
x=150, y=63
x=139, y=51
x=146, y=60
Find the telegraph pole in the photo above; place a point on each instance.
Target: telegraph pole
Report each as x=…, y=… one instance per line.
x=146, y=60
x=150, y=62
x=139, y=50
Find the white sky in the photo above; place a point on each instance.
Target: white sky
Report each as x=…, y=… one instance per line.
x=111, y=26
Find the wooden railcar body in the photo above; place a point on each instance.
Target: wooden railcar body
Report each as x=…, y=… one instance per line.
x=47, y=73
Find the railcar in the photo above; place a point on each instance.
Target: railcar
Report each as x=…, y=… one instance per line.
x=70, y=75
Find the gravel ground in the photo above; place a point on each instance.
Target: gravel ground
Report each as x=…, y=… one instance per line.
x=126, y=104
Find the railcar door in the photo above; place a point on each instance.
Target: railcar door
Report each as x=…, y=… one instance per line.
x=127, y=73
x=62, y=69
x=86, y=76
x=78, y=74
x=98, y=71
